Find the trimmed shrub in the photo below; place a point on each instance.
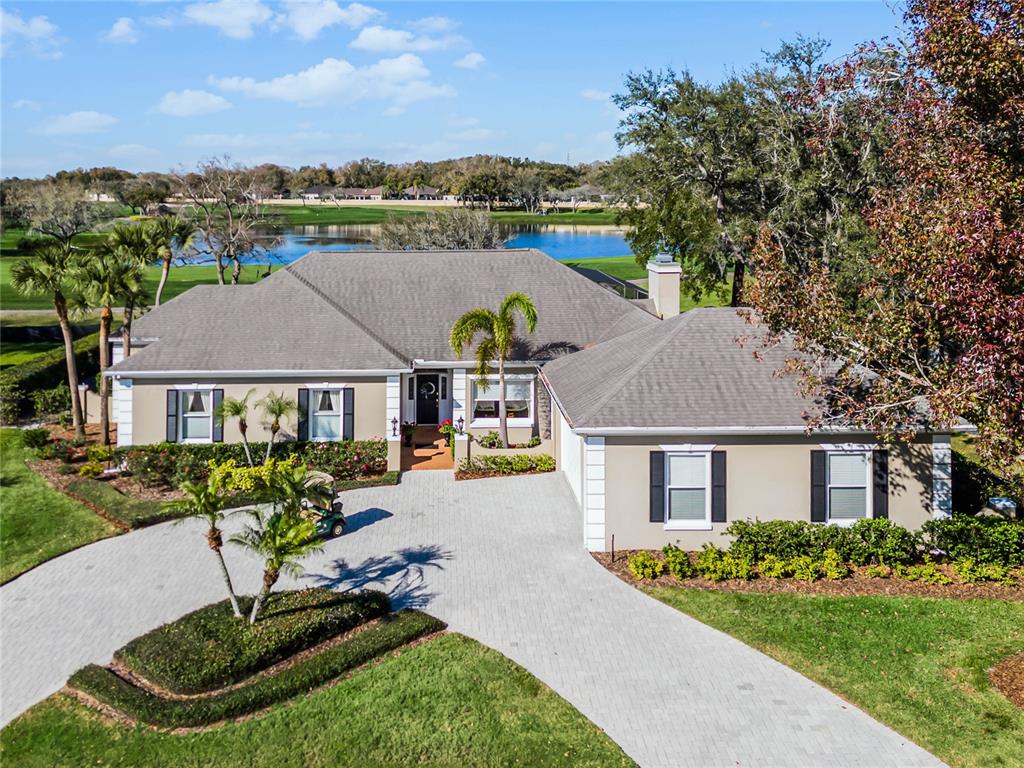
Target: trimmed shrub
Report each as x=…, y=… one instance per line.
x=92, y=469
x=392, y=633
x=773, y=567
x=715, y=564
x=781, y=538
x=62, y=449
x=984, y=539
x=45, y=371
x=973, y=572
x=866, y=541
x=50, y=402
x=881, y=541
x=512, y=464
x=99, y=453
x=388, y=478
x=678, y=562
x=878, y=571
x=927, y=572
x=644, y=565
x=804, y=568
x=134, y=513
x=833, y=567
x=36, y=439
x=210, y=648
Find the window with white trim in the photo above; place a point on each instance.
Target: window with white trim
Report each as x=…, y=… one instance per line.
x=848, y=481
x=325, y=414
x=688, y=490
x=196, y=415
x=518, y=399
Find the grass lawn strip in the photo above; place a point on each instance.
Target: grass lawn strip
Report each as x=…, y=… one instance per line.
x=919, y=665
x=37, y=522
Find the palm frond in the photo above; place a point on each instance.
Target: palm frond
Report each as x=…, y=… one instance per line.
x=523, y=304
x=466, y=328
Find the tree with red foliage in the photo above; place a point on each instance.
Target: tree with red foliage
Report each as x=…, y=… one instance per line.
x=935, y=322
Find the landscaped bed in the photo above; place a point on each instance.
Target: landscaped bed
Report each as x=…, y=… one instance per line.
x=502, y=465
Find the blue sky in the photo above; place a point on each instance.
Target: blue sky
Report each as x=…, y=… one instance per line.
x=154, y=85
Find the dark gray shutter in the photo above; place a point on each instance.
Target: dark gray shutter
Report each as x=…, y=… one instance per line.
x=444, y=387
x=880, y=501
x=172, y=415
x=218, y=421
x=348, y=413
x=303, y=415
x=718, y=486
x=657, y=486
x=818, y=514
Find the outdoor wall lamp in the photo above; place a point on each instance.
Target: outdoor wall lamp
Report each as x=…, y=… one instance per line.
x=394, y=426
x=461, y=423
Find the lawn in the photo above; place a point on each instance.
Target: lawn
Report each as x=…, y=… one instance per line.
x=917, y=664
x=297, y=216
x=598, y=216
x=36, y=522
x=16, y=353
x=446, y=702
x=626, y=268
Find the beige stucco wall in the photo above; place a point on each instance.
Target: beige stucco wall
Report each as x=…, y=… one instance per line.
x=149, y=407
x=766, y=478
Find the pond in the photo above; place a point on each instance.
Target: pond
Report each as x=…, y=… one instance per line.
x=565, y=242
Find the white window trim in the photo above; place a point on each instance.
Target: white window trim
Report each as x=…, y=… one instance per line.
x=689, y=525
x=518, y=421
x=341, y=413
x=182, y=417
x=869, y=511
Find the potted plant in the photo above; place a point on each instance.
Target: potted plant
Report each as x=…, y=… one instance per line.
x=408, y=430
x=447, y=430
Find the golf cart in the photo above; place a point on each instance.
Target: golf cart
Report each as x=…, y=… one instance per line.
x=323, y=506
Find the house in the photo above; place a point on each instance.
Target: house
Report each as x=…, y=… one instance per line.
x=420, y=192
x=665, y=427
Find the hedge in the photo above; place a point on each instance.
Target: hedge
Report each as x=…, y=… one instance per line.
x=210, y=648
x=169, y=464
x=864, y=542
x=388, y=478
x=392, y=633
x=46, y=371
x=134, y=513
x=515, y=464
x=986, y=540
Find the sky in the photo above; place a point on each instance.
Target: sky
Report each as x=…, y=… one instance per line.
x=150, y=85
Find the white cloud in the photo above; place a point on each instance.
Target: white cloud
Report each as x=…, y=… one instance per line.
x=472, y=60
x=164, y=22
x=382, y=39
x=234, y=18
x=402, y=81
x=26, y=104
x=189, y=103
x=123, y=31
x=434, y=24
x=38, y=32
x=79, y=122
x=463, y=121
x=306, y=18
x=221, y=142
x=592, y=94
x=132, y=152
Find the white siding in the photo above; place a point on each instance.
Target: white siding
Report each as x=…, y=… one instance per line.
x=593, y=499
x=942, y=476
x=570, y=456
x=123, y=410
x=393, y=409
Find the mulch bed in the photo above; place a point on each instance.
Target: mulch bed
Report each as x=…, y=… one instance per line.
x=463, y=475
x=858, y=584
x=1007, y=677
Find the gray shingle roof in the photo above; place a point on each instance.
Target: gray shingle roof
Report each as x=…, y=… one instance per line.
x=686, y=372
x=374, y=310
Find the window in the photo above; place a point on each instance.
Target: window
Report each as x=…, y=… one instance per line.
x=325, y=414
x=687, y=489
x=518, y=399
x=196, y=416
x=847, y=483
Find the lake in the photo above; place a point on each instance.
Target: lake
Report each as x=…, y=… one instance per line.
x=565, y=242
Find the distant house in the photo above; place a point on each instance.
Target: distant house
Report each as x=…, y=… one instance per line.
x=359, y=193
x=422, y=192
x=316, y=192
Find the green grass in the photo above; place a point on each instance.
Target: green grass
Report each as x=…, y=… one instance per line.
x=135, y=513
x=36, y=522
x=596, y=216
x=626, y=268
x=300, y=215
x=448, y=702
x=917, y=664
x=16, y=353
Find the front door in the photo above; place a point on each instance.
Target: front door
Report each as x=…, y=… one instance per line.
x=428, y=397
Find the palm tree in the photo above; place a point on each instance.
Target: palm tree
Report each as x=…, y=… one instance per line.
x=237, y=408
x=276, y=407
x=499, y=331
x=102, y=279
x=48, y=271
x=132, y=244
x=167, y=235
x=207, y=502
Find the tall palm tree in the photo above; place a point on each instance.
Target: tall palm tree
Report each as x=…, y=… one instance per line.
x=102, y=279
x=167, y=235
x=207, y=501
x=132, y=244
x=237, y=408
x=276, y=407
x=48, y=271
x=499, y=330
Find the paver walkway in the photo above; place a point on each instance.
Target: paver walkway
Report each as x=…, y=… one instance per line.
x=500, y=561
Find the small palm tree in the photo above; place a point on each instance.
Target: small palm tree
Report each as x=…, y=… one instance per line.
x=168, y=234
x=276, y=407
x=48, y=271
x=131, y=244
x=207, y=502
x=237, y=408
x=499, y=329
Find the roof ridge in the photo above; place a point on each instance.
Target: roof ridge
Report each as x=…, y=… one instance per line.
x=641, y=360
x=398, y=354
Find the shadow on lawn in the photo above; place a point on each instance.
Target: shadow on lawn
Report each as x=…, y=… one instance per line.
x=403, y=570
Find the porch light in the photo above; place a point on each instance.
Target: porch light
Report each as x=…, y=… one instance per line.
x=461, y=423
x=394, y=426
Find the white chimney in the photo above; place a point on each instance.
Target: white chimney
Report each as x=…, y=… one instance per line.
x=663, y=284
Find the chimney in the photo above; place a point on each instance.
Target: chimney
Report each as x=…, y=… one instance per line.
x=663, y=284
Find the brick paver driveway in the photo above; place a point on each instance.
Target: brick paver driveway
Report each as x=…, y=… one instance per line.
x=501, y=561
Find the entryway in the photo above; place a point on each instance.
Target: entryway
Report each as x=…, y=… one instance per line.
x=428, y=451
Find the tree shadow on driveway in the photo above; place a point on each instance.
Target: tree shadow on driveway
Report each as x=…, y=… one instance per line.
x=364, y=518
x=401, y=574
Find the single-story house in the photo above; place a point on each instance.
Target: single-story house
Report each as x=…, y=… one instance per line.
x=420, y=192
x=664, y=425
